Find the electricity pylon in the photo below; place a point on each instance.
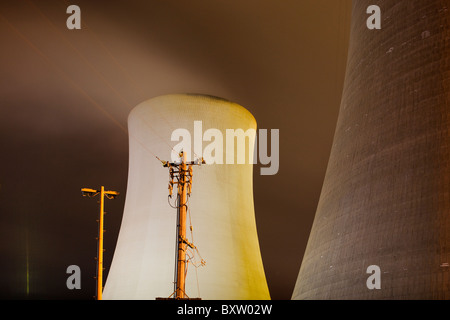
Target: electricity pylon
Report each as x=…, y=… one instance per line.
x=181, y=175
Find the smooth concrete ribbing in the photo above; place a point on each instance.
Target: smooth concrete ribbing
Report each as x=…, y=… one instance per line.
x=386, y=195
x=221, y=209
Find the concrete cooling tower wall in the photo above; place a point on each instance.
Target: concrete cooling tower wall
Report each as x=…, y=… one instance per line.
x=385, y=201
x=221, y=207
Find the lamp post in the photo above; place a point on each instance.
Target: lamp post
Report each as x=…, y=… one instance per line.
x=87, y=192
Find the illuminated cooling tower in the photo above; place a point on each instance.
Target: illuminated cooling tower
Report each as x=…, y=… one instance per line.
x=221, y=207
x=386, y=195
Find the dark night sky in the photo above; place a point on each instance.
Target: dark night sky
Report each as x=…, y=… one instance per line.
x=65, y=96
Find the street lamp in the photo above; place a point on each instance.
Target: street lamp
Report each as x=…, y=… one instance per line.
x=87, y=192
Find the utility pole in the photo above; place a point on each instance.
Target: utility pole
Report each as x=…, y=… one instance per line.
x=110, y=195
x=181, y=175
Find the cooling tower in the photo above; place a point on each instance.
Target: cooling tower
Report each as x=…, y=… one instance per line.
x=385, y=199
x=220, y=207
